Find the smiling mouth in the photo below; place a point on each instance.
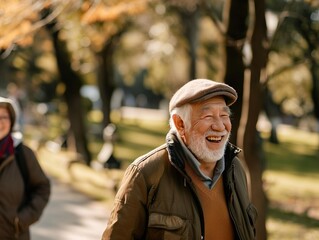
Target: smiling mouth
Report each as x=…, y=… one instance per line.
x=214, y=139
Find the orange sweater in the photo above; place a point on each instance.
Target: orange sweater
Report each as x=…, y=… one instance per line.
x=218, y=225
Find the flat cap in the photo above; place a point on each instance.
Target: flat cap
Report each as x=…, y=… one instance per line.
x=202, y=89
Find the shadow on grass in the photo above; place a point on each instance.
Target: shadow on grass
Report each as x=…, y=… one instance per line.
x=293, y=158
x=159, y=131
x=301, y=219
x=142, y=138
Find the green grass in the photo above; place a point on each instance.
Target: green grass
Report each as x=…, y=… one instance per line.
x=291, y=183
x=137, y=138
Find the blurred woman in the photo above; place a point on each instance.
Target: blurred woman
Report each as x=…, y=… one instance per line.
x=24, y=187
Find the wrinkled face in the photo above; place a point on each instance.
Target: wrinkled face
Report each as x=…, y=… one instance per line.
x=208, y=130
x=5, y=122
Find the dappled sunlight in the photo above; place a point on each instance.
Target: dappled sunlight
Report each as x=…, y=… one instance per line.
x=143, y=139
x=296, y=153
x=153, y=128
x=290, y=134
x=282, y=158
x=287, y=230
x=127, y=153
x=140, y=138
x=291, y=183
x=293, y=193
x=294, y=206
x=301, y=149
x=134, y=144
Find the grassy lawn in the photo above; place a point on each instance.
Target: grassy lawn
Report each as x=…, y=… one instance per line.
x=137, y=138
x=291, y=184
x=291, y=174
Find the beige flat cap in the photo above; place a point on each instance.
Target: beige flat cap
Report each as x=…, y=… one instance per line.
x=202, y=89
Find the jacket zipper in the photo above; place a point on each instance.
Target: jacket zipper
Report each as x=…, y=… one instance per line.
x=231, y=208
x=201, y=215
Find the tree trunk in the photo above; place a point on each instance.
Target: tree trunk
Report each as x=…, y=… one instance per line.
x=315, y=90
x=247, y=83
x=72, y=95
x=311, y=37
x=105, y=81
x=106, y=75
x=236, y=15
x=189, y=20
x=315, y=87
x=251, y=142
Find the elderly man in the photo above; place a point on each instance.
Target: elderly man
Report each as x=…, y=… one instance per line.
x=193, y=187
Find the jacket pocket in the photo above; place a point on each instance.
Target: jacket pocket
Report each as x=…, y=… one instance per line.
x=168, y=227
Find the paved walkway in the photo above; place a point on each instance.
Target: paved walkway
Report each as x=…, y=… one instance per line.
x=70, y=215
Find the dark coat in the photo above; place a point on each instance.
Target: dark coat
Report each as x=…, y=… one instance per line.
x=157, y=200
x=15, y=217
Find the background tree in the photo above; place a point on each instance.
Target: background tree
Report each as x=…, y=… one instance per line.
x=252, y=149
x=296, y=41
x=73, y=84
x=106, y=22
x=189, y=13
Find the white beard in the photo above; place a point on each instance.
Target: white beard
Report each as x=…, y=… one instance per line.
x=198, y=146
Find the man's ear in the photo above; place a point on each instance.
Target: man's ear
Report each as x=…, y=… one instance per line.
x=179, y=124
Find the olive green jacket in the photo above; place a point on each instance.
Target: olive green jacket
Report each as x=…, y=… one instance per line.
x=157, y=199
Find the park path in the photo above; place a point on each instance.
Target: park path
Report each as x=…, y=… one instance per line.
x=70, y=215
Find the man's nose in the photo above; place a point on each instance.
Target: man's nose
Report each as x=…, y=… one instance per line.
x=217, y=124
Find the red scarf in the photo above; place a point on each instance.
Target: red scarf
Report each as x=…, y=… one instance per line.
x=6, y=147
